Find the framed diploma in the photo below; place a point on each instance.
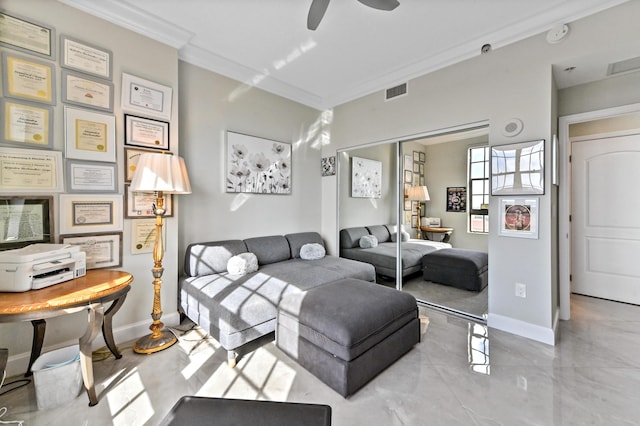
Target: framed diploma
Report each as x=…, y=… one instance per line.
x=85, y=57
x=146, y=97
x=26, y=124
x=90, y=213
x=146, y=133
x=131, y=157
x=90, y=176
x=102, y=250
x=25, y=220
x=26, y=35
x=140, y=204
x=28, y=78
x=85, y=91
x=143, y=235
x=89, y=135
x=29, y=170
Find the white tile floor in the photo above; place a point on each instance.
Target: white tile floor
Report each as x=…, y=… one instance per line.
x=592, y=377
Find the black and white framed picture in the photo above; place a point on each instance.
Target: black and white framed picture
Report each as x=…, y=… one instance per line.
x=366, y=178
x=257, y=165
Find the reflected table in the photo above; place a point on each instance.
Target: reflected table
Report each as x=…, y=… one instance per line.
x=443, y=234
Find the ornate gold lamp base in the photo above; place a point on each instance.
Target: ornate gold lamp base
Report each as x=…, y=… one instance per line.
x=150, y=344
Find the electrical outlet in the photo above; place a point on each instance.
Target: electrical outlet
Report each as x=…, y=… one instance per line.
x=521, y=290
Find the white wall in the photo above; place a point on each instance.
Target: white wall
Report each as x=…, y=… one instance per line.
x=140, y=56
x=512, y=81
x=210, y=104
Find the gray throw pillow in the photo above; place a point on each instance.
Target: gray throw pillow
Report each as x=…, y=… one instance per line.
x=312, y=251
x=243, y=263
x=405, y=236
x=368, y=241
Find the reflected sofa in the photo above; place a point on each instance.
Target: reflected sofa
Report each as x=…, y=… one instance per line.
x=383, y=256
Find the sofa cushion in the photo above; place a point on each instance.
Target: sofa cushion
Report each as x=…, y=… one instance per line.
x=350, y=237
x=381, y=232
x=368, y=241
x=242, y=263
x=269, y=249
x=296, y=241
x=211, y=257
x=312, y=251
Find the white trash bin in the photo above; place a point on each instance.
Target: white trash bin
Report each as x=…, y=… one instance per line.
x=57, y=377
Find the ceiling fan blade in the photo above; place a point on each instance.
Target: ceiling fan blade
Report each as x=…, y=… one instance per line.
x=381, y=4
x=316, y=12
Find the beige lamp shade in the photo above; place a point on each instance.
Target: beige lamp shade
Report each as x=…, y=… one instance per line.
x=418, y=193
x=161, y=172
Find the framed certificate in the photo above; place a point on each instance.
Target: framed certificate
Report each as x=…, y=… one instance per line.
x=29, y=170
x=140, y=204
x=28, y=78
x=25, y=220
x=90, y=213
x=146, y=133
x=131, y=157
x=26, y=35
x=90, y=176
x=146, y=97
x=89, y=135
x=143, y=235
x=102, y=250
x=85, y=57
x=85, y=91
x=26, y=124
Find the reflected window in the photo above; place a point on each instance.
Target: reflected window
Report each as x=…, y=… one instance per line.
x=478, y=189
x=478, y=348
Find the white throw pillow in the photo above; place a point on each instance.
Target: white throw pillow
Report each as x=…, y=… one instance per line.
x=405, y=236
x=312, y=251
x=368, y=241
x=243, y=263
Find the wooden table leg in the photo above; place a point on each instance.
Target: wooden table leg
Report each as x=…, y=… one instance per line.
x=96, y=314
x=107, y=330
x=39, y=327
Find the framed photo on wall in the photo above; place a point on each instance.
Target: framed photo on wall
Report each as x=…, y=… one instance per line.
x=257, y=165
x=27, y=35
x=25, y=220
x=518, y=168
x=85, y=57
x=26, y=124
x=519, y=218
x=86, y=91
x=145, y=132
x=89, y=135
x=30, y=171
x=102, y=250
x=146, y=97
x=90, y=213
x=366, y=178
x=457, y=199
x=28, y=78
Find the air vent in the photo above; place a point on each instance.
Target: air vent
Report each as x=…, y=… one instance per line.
x=396, y=91
x=628, y=65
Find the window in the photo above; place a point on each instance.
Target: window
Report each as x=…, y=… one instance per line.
x=478, y=189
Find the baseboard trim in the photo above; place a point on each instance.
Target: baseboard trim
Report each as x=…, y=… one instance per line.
x=17, y=364
x=524, y=329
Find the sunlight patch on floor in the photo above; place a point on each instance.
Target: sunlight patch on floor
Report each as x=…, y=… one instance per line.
x=129, y=402
x=258, y=375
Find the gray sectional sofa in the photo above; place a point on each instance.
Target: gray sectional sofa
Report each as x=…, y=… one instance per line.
x=237, y=310
x=383, y=256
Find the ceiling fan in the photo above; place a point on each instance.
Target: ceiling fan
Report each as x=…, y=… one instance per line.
x=319, y=7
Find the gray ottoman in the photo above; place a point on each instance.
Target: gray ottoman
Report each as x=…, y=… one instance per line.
x=347, y=331
x=460, y=268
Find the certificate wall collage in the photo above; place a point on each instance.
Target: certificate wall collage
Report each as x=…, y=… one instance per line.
x=84, y=175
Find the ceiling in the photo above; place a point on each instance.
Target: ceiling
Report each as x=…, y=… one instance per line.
x=355, y=51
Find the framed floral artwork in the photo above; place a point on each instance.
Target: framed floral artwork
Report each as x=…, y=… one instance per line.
x=366, y=178
x=257, y=165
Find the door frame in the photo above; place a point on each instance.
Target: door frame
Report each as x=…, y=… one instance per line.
x=564, y=196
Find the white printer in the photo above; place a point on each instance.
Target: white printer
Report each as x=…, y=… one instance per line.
x=40, y=265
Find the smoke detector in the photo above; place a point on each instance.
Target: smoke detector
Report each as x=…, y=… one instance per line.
x=557, y=33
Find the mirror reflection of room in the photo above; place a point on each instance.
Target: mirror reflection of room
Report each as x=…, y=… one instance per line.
x=454, y=169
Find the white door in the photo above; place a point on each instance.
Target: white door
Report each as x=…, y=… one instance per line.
x=605, y=224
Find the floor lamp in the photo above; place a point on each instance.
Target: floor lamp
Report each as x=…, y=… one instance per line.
x=161, y=174
x=419, y=194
